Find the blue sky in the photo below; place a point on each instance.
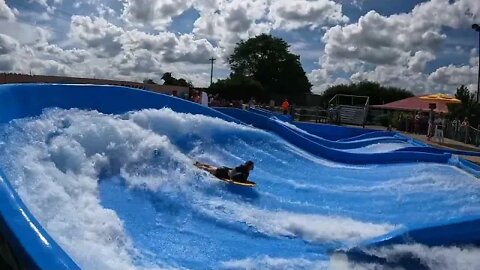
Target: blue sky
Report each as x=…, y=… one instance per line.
x=423, y=46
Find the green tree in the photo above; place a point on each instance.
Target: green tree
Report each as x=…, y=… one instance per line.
x=468, y=108
x=267, y=60
x=149, y=81
x=238, y=87
x=170, y=80
x=378, y=94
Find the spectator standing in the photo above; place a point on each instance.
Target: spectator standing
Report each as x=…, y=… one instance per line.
x=464, y=129
x=251, y=103
x=272, y=104
x=431, y=125
x=204, y=99
x=285, y=106
x=417, y=121
x=439, y=128
x=455, y=126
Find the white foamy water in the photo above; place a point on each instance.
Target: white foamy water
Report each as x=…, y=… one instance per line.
x=378, y=148
x=270, y=263
x=295, y=128
x=54, y=163
x=309, y=227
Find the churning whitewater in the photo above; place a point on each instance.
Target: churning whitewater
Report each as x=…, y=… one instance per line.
x=121, y=192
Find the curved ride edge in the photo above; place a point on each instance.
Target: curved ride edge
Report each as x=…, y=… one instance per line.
x=457, y=232
x=339, y=144
x=369, y=135
x=33, y=248
x=308, y=145
x=429, y=149
x=27, y=100
x=282, y=117
x=349, y=144
x=467, y=166
x=31, y=244
x=460, y=231
x=331, y=131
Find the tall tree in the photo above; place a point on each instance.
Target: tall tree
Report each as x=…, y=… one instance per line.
x=168, y=79
x=148, y=81
x=468, y=107
x=267, y=60
x=378, y=94
x=238, y=87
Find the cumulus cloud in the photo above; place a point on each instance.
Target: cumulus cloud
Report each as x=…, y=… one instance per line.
x=158, y=13
x=5, y=12
x=49, y=67
x=96, y=33
x=455, y=75
x=173, y=48
x=399, y=76
x=7, y=44
x=380, y=40
x=321, y=79
x=231, y=21
x=385, y=40
x=293, y=14
x=396, y=49
x=8, y=51
x=65, y=56
x=418, y=61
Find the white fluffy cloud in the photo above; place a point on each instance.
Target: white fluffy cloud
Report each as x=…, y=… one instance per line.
x=395, y=49
x=381, y=40
x=53, y=51
x=5, y=12
x=173, y=48
x=97, y=33
x=456, y=75
x=7, y=44
x=158, y=13
x=230, y=21
x=321, y=79
x=293, y=14
x=419, y=60
x=391, y=40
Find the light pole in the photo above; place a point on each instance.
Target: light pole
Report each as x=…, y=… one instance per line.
x=476, y=27
x=211, y=70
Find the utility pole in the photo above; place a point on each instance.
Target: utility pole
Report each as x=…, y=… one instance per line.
x=476, y=27
x=211, y=69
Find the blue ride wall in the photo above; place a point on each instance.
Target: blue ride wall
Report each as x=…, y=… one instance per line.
x=298, y=139
x=332, y=132
x=31, y=243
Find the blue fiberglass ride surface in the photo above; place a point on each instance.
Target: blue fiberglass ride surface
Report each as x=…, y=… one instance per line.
x=333, y=154
x=116, y=189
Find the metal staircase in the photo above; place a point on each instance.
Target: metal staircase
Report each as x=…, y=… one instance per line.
x=350, y=109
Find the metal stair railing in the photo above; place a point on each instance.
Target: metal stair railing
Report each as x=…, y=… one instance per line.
x=350, y=109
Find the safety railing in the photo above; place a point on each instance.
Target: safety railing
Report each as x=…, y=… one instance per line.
x=349, y=109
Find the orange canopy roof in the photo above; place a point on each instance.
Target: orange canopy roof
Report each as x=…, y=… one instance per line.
x=413, y=104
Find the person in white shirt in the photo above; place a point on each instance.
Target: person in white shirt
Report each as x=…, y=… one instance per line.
x=439, y=127
x=204, y=100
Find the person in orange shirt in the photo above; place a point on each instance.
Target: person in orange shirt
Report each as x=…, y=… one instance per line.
x=285, y=106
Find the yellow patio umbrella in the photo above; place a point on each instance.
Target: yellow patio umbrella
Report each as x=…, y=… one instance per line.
x=444, y=98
